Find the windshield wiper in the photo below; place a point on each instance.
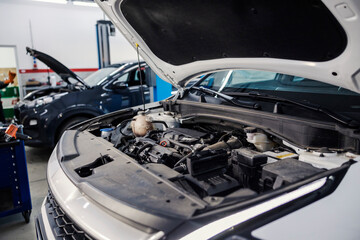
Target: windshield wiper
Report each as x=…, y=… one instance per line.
x=315, y=107
x=227, y=98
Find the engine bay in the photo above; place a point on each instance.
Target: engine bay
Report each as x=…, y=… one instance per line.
x=214, y=161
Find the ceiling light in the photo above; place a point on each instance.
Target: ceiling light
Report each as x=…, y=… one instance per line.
x=53, y=1
x=86, y=4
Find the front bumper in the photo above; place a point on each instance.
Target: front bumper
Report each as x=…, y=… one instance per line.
x=37, y=142
x=39, y=227
x=66, y=213
x=39, y=137
x=39, y=133
x=57, y=222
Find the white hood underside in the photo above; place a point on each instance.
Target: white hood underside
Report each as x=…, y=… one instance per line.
x=342, y=71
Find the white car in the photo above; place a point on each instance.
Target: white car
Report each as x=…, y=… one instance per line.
x=264, y=146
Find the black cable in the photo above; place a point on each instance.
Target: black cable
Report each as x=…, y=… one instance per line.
x=224, y=136
x=183, y=159
x=188, y=155
x=179, y=144
x=162, y=122
x=143, y=148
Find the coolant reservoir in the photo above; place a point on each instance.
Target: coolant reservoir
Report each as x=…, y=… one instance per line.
x=259, y=139
x=140, y=125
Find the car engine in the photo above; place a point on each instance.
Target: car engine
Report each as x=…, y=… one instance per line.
x=213, y=160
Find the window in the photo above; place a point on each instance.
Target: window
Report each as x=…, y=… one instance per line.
x=215, y=80
x=123, y=78
x=243, y=76
x=132, y=78
x=248, y=80
x=96, y=77
x=135, y=77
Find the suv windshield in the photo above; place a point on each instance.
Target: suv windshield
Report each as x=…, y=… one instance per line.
x=285, y=86
x=94, y=78
x=241, y=80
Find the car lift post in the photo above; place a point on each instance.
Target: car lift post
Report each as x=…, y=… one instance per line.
x=104, y=29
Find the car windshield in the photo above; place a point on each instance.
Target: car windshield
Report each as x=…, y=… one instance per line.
x=285, y=86
x=94, y=78
x=242, y=80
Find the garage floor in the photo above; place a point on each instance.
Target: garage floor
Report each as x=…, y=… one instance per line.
x=14, y=226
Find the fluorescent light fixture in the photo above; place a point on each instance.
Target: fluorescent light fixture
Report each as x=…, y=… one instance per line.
x=85, y=4
x=53, y=1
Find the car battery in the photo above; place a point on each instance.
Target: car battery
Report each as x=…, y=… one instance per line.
x=14, y=182
x=246, y=165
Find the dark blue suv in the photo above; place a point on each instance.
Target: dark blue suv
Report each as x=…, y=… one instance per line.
x=48, y=112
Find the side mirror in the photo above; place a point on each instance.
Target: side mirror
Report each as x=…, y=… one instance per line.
x=119, y=85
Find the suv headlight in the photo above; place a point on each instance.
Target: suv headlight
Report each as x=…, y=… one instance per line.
x=48, y=100
x=43, y=101
x=39, y=103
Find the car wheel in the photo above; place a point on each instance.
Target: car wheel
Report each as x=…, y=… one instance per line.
x=68, y=123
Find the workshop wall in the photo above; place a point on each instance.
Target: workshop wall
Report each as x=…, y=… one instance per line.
x=66, y=32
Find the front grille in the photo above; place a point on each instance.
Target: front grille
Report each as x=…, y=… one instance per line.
x=63, y=227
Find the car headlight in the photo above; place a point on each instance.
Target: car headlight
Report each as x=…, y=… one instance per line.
x=48, y=100
x=39, y=103
x=43, y=101
x=30, y=104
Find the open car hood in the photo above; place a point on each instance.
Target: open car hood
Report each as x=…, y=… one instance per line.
x=181, y=39
x=64, y=72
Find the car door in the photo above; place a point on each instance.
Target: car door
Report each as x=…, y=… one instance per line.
x=134, y=86
x=125, y=91
x=115, y=93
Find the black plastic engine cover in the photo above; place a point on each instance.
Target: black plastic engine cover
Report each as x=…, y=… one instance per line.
x=286, y=171
x=207, y=161
x=213, y=184
x=246, y=166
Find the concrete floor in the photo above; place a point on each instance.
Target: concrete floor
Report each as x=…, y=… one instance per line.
x=14, y=226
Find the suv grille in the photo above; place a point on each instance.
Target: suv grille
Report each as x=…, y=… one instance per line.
x=63, y=227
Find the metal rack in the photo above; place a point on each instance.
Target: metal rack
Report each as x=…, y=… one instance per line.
x=14, y=183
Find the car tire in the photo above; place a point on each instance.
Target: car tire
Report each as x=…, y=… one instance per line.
x=68, y=123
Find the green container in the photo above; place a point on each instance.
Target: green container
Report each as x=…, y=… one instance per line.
x=10, y=92
x=8, y=95
x=9, y=112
